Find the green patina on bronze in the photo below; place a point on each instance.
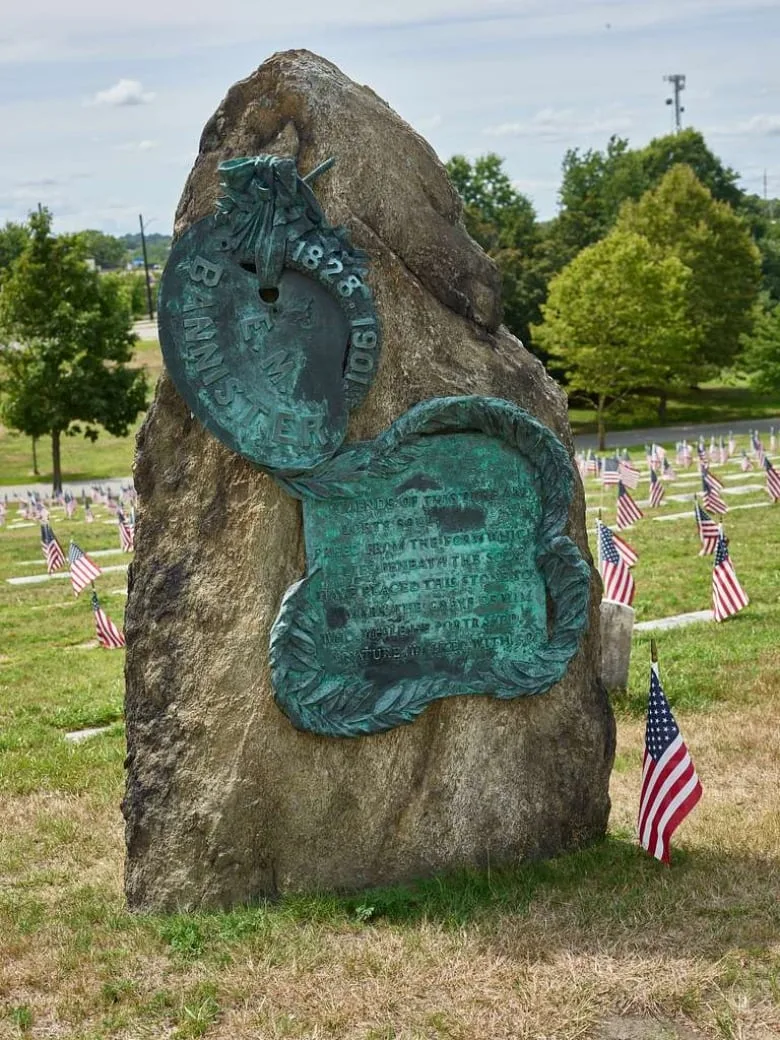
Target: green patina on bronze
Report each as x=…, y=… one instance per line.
x=267, y=324
x=436, y=566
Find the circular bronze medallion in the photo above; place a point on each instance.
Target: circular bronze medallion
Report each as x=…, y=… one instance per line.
x=267, y=325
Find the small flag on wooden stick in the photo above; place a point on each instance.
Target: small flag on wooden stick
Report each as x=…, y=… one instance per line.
x=52, y=551
x=627, y=509
x=657, y=490
x=670, y=786
x=618, y=581
x=728, y=596
x=108, y=634
x=772, y=480
x=713, y=500
x=708, y=530
x=83, y=571
x=125, y=532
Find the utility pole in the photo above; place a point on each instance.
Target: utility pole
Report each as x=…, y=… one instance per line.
x=146, y=269
x=678, y=86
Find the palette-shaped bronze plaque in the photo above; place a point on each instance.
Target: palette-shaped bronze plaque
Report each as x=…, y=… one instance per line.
x=436, y=566
x=267, y=323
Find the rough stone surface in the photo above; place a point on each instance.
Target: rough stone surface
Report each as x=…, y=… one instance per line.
x=225, y=801
x=617, y=628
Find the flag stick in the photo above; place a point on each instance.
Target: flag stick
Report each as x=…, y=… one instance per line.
x=653, y=651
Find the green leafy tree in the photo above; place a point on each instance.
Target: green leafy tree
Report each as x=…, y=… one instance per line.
x=13, y=239
x=690, y=149
x=617, y=319
x=761, y=217
x=504, y=223
x=67, y=340
x=761, y=357
x=107, y=252
x=593, y=187
x=681, y=218
x=595, y=184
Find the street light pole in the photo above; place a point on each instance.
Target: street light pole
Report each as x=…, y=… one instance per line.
x=146, y=269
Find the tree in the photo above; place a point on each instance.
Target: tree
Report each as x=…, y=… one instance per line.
x=13, y=239
x=503, y=221
x=759, y=215
x=67, y=335
x=617, y=318
x=595, y=184
x=761, y=355
x=690, y=149
x=681, y=218
x=105, y=250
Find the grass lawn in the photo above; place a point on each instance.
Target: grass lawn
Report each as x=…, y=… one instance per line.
x=698, y=405
x=605, y=944
x=81, y=459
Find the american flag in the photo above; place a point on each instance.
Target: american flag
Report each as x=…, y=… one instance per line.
x=685, y=455
x=591, y=464
x=722, y=452
x=758, y=448
x=628, y=555
x=629, y=474
x=83, y=571
x=609, y=472
x=668, y=473
x=618, y=580
x=125, y=532
x=704, y=457
x=712, y=478
x=89, y=516
x=108, y=634
x=746, y=463
x=732, y=443
x=670, y=786
x=728, y=596
x=70, y=505
x=657, y=490
x=772, y=439
x=627, y=509
x=3, y=511
x=772, y=480
x=712, y=496
x=708, y=531
x=52, y=551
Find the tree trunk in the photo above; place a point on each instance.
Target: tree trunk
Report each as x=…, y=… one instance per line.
x=602, y=427
x=662, y=407
x=56, y=466
x=36, y=471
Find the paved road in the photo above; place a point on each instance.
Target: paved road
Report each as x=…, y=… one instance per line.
x=74, y=486
x=671, y=434
x=145, y=329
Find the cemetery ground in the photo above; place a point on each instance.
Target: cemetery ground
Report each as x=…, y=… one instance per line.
x=111, y=456
x=605, y=943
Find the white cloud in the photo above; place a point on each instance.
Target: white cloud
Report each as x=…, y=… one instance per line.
x=761, y=125
x=136, y=146
x=561, y=124
x=123, y=92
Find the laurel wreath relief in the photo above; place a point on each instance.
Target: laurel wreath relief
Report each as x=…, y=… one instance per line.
x=338, y=705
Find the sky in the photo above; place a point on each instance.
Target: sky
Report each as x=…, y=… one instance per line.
x=102, y=102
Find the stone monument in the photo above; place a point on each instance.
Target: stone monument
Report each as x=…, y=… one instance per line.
x=362, y=621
